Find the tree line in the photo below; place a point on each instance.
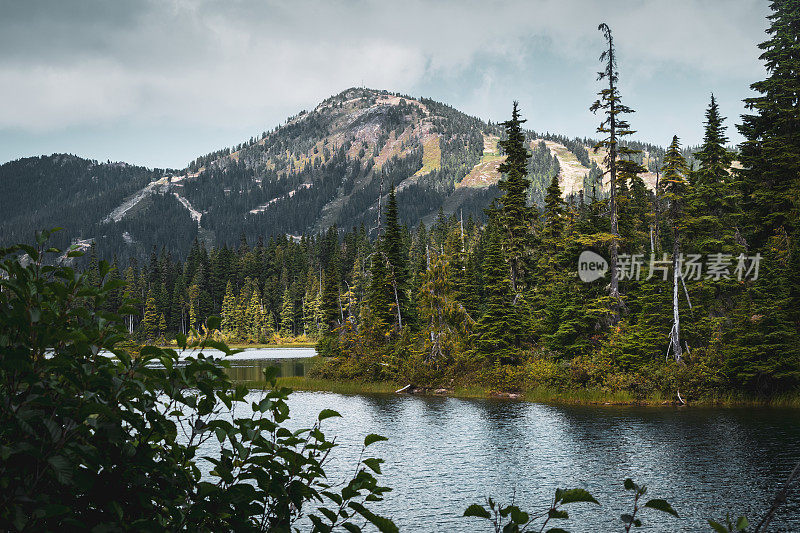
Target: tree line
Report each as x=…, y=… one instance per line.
x=389, y=302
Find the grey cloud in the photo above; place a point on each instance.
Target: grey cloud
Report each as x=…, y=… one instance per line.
x=240, y=62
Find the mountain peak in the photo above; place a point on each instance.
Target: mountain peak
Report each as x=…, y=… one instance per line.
x=332, y=165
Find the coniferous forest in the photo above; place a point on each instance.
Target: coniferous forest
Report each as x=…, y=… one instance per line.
x=701, y=297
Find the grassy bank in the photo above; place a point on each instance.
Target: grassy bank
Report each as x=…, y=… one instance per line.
x=258, y=346
x=580, y=396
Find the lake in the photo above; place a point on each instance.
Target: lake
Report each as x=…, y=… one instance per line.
x=446, y=453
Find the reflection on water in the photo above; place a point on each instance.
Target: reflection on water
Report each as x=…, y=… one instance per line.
x=252, y=371
x=252, y=354
x=446, y=453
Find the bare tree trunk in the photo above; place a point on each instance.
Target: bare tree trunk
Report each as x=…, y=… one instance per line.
x=675, y=336
x=656, y=212
x=397, y=302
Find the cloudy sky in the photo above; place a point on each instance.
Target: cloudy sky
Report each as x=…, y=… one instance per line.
x=160, y=82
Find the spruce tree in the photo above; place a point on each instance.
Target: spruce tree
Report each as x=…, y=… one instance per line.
x=398, y=274
x=331, y=306
x=255, y=317
x=287, y=313
x=497, y=329
x=770, y=153
x=151, y=316
x=515, y=215
x=162, y=326
x=554, y=216
x=380, y=295
x=193, y=297
x=714, y=202
x=613, y=127
x=228, y=313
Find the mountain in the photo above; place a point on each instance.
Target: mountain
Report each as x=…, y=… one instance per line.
x=322, y=167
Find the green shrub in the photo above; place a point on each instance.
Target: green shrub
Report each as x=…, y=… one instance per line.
x=101, y=443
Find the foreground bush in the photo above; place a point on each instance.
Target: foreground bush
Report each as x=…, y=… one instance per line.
x=100, y=443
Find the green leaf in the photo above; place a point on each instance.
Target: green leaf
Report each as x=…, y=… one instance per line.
x=327, y=413
x=629, y=484
x=372, y=438
x=742, y=523
x=477, y=510
x=62, y=468
x=330, y=515
x=384, y=525
x=374, y=464
x=518, y=516
x=557, y=530
x=352, y=528
x=333, y=496
x=577, y=495
x=557, y=513
x=661, y=505
x=719, y=528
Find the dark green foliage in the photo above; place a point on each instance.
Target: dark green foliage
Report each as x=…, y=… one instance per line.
x=498, y=329
x=396, y=252
x=770, y=154
x=714, y=220
x=514, y=215
x=97, y=443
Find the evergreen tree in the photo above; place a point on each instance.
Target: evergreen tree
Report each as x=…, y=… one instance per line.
x=445, y=321
x=515, y=215
x=714, y=203
x=228, y=313
x=255, y=317
x=398, y=274
x=554, y=216
x=770, y=153
x=380, y=294
x=287, y=313
x=162, y=326
x=150, y=322
x=331, y=289
x=613, y=127
x=194, y=302
x=497, y=329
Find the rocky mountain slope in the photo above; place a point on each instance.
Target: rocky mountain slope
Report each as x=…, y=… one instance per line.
x=322, y=167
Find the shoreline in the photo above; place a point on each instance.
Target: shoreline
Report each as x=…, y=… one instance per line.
x=235, y=346
x=587, y=397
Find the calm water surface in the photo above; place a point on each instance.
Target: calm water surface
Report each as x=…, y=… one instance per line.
x=445, y=453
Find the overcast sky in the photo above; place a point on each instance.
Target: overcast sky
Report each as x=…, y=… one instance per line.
x=159, y=82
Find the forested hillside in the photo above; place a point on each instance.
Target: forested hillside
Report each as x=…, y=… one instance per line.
x=691, y=285
x=323, y=167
